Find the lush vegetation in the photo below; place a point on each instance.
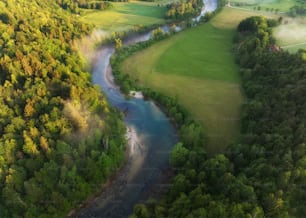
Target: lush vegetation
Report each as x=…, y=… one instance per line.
x=264, y=174
x=59, y=139
x=184, y=9
x=204, y=77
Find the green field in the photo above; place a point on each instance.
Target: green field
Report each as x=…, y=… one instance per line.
x=197, y=66
x=125, y=16
x=281, y=5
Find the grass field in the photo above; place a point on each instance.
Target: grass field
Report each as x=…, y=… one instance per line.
x=291, y=36
x=197, y=66
x=125, y=16
x=281, y=5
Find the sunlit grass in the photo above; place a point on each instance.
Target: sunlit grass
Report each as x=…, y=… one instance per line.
x=125, y=16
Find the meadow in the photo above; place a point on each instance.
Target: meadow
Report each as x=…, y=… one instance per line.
x=197, y=66
x=281, y=5
x=124, y=16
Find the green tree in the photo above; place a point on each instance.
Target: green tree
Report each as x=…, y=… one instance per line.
x=179, y=155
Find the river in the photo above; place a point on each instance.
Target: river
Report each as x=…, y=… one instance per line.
x=151, y=138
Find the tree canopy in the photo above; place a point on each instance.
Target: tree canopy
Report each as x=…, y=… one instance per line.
x=59, y=138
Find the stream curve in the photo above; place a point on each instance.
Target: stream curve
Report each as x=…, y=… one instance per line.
x=151, y=137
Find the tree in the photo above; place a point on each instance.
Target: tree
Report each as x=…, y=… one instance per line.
x=29, y=146
x=141, y=211
x=118, y=43
x=179, y=155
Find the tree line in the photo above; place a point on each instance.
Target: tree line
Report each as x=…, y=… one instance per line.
x=75, y=5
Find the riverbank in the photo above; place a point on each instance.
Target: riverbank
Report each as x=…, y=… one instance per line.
x=141, y=171
x=150, y=148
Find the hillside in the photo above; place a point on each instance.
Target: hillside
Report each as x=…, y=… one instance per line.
x=57, y=131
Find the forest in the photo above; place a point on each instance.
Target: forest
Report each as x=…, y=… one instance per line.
x=59, y=138
x=263, y=174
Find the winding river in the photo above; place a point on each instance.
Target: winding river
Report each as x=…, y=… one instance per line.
x=151, y=137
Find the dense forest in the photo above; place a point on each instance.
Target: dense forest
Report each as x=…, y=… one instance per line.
x=264, y=175
x=59, y=139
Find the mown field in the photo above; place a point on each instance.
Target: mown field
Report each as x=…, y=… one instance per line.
x=123, y=16
x=197, y=66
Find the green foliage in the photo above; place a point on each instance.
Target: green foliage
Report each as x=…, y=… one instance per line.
x=56, y=130
x=253, y=24
x=183, y=9
x=157, y=33
x=179, y=155
x=273, y=134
